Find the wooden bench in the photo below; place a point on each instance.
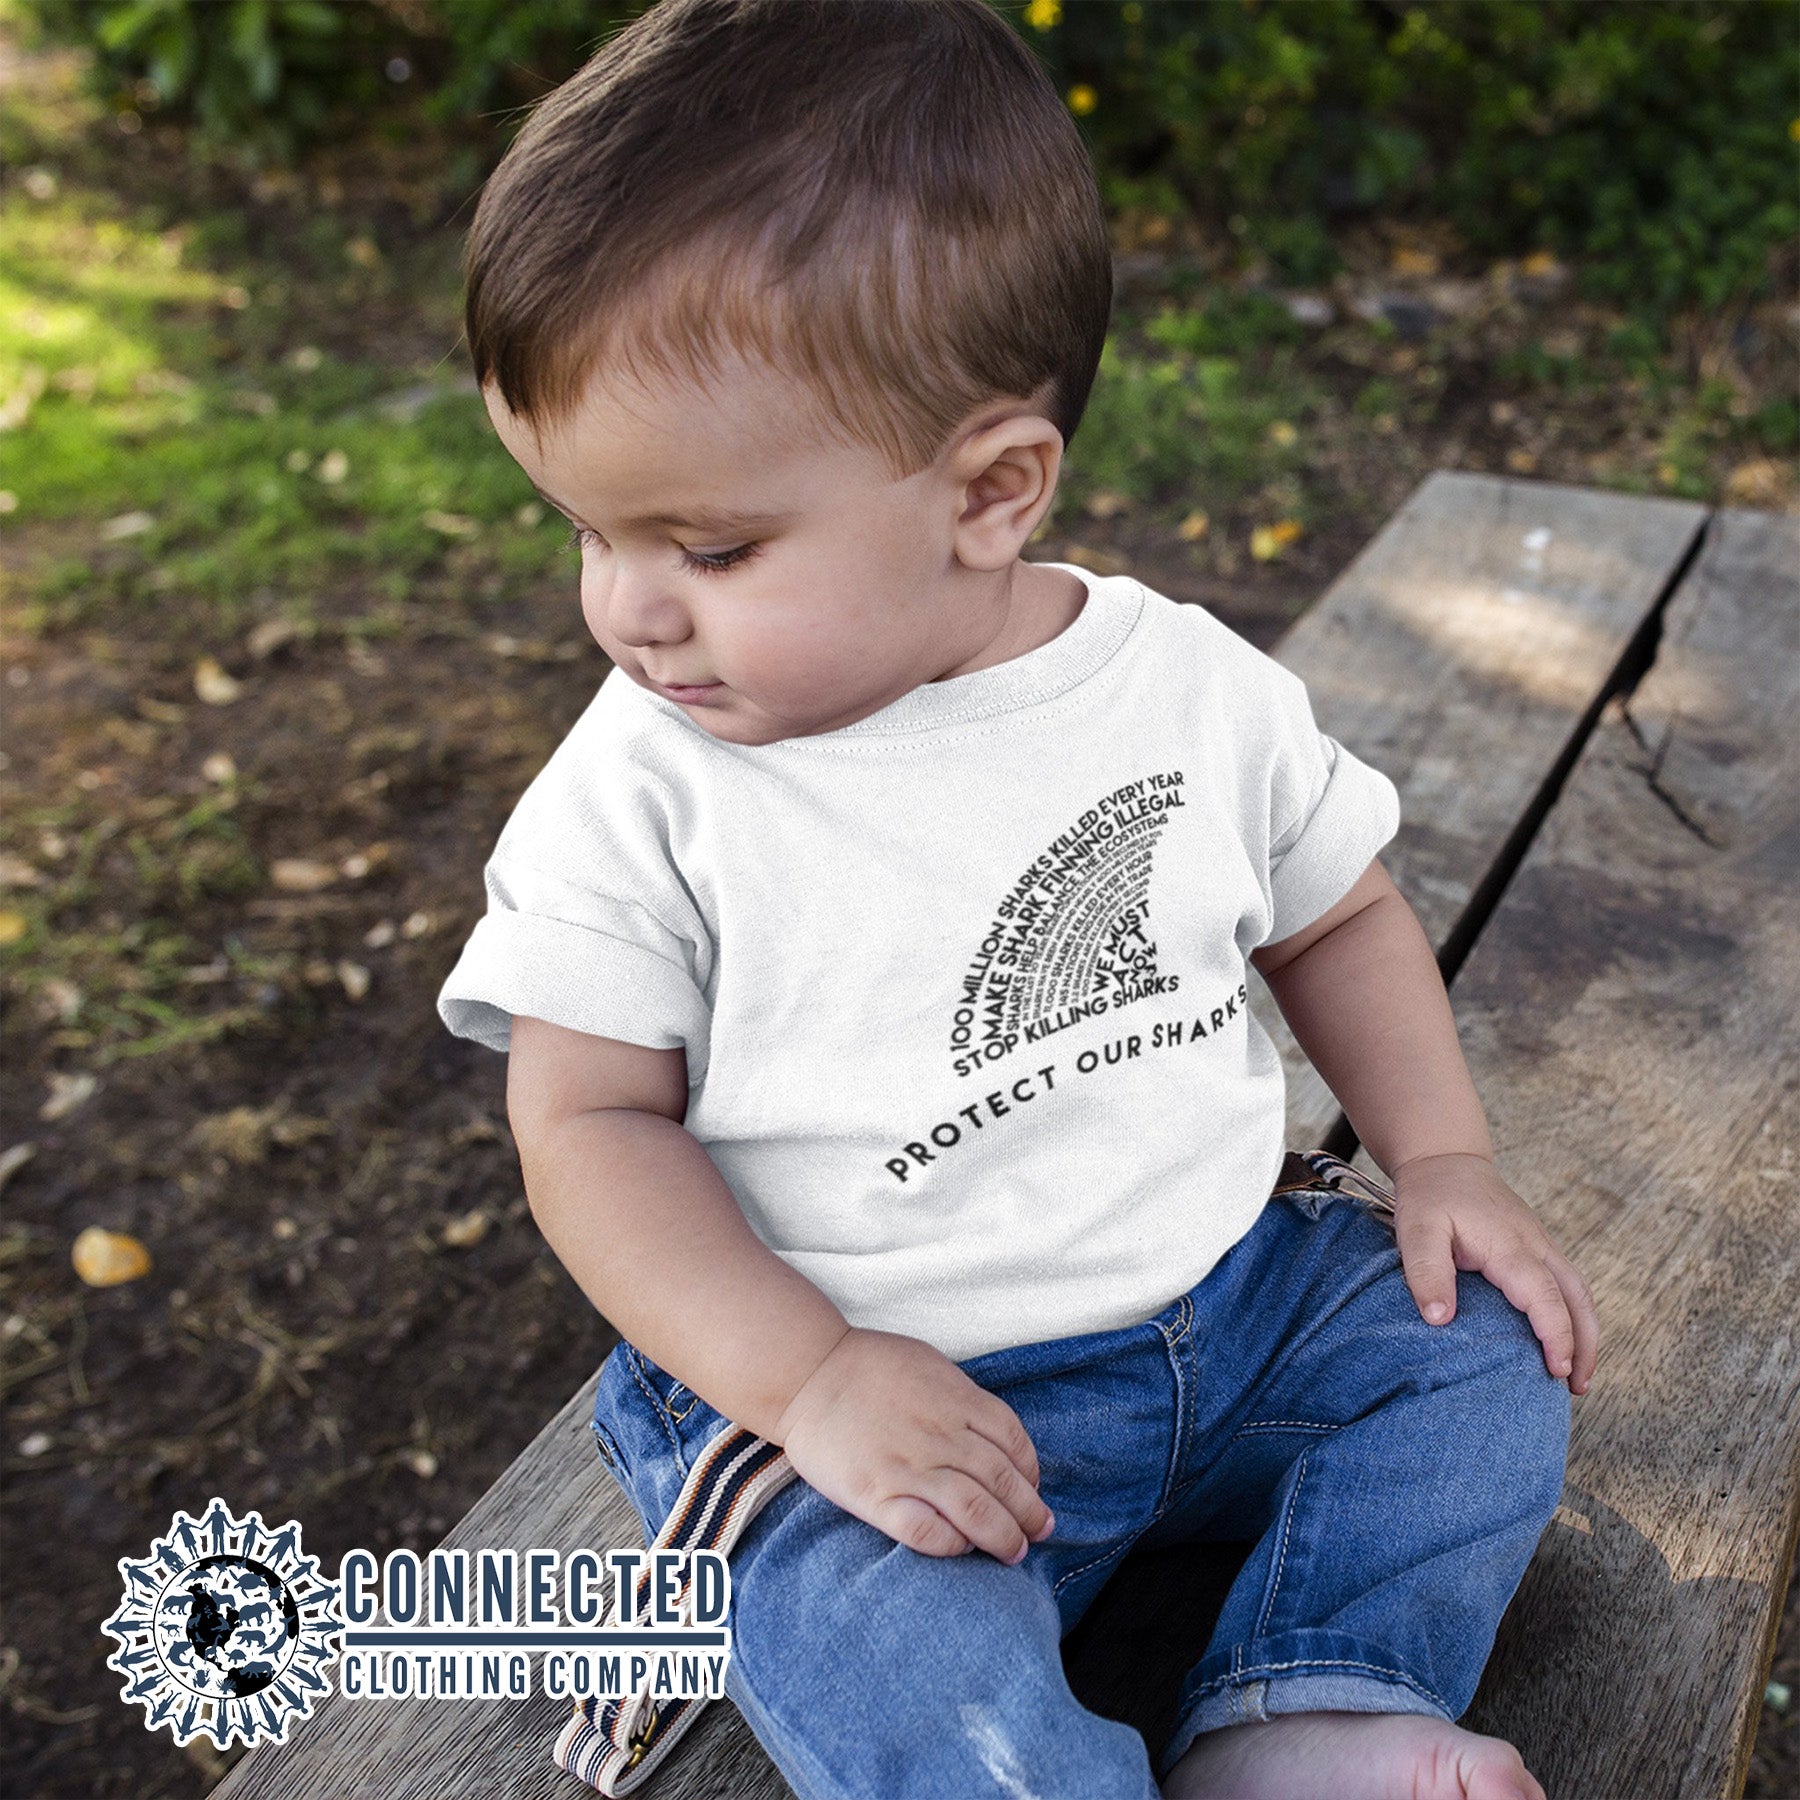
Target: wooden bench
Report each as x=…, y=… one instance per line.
x=1591, y=705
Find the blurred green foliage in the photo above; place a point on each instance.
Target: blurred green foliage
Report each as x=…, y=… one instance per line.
x=268, y=76
x=1649, y=141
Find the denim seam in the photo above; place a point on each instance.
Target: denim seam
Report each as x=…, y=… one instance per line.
x=1240, y=1672
x=1285, y=1425
x=1093, y=1562
x=1287, y=1530
x=1171, y=1335
x=661, y=1411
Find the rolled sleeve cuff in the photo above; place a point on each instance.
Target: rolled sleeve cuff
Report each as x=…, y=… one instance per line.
x=574, y=976
x=1357, y=814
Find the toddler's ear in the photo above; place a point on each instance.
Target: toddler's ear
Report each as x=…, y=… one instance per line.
x=1005, y=475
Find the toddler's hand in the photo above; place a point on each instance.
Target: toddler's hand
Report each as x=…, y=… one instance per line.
x=893, y=1431
x=1454, y=1212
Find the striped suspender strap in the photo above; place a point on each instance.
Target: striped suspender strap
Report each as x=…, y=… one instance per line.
x=1319, y=1168
x=615, y=1745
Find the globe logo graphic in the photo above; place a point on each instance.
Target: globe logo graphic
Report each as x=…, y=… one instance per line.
x=226, y=1627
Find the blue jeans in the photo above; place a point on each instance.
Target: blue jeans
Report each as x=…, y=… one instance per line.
x=1394, y=1477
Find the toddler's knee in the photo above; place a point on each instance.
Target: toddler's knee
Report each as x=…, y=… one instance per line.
x=1525, y=1408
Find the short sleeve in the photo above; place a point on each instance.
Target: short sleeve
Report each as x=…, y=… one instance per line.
x=589, y=925
x=1331, y=813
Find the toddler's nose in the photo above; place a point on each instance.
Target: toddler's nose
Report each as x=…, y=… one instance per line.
x=635, y=607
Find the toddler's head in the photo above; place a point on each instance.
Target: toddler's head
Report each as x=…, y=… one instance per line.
x=792, y=306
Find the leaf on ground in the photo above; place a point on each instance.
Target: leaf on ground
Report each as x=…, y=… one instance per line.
x=106, y=1258
x=1194, y=527
x=213, y=684
x=1268, y=541
x=269, y=636
x=13, y=1159
x=67, y=1092
x=365, y=862
x=127, y=525
x=467, y=1231
x=353, y=977
x=1756, y=483
x=59, y=1000
x=301, y=875
x=13, y=926
x=240, y=1135
x=16, y=872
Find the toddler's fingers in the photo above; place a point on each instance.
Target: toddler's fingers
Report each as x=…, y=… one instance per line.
x=1000, y=1425
x=1527, y=1281
x=973, y=1511
x=918, y=1525
x=1580, y=1300
x=992, y=1469
x=1427, y=1263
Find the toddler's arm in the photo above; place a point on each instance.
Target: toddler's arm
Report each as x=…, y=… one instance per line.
x=884, y=1425
x=1361, y=989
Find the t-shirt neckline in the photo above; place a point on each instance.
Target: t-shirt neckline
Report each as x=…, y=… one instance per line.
x=1089, y=640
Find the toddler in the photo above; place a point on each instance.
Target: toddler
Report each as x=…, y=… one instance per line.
x=871, y=960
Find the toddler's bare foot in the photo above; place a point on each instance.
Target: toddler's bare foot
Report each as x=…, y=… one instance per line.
x=1350, y=1756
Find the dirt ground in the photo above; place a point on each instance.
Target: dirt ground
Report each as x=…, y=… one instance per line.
x=351, y=1320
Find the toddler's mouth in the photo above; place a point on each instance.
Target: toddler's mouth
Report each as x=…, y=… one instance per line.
x=687, y=691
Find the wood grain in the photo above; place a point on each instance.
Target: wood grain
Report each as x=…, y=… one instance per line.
x=1464, y=653
x=1630, y=1015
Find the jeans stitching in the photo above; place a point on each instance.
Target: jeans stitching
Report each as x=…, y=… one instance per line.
x=1284, y=1425
x=1240, y=1671
x=1184, y=1391
x=1172, y=1335
x=1093, y=1562
x=1287, y=1528
x=660, y=1410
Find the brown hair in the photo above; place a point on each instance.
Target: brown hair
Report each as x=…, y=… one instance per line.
x=887, y=199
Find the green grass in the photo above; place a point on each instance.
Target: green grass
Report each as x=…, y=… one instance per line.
x=1190, y=403
x=141, y=379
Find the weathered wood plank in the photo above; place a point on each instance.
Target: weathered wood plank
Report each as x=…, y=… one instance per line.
x=1630, y=1016
x=1464, y=653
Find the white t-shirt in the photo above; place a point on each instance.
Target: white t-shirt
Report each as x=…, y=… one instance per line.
x=961, y=986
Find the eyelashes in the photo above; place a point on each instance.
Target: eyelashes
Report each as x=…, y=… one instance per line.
x=698, y=561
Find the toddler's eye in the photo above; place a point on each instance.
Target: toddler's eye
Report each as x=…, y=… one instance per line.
x=716, y=562
x=578, y=538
